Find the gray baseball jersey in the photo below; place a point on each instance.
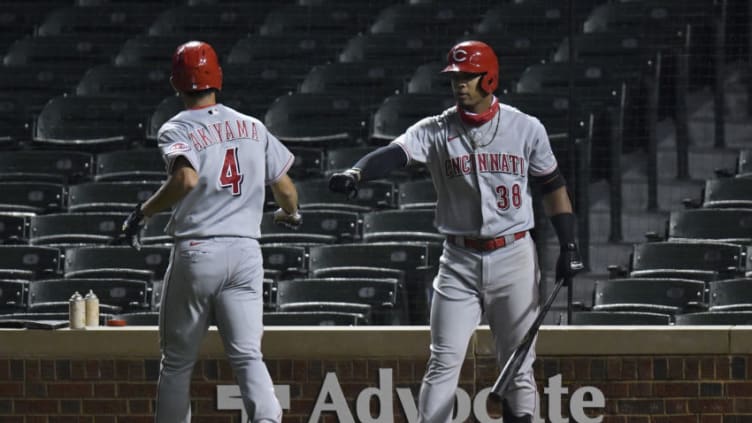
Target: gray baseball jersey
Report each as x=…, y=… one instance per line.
x=481, y=178
x=234, y=156
x=481, y=192
x=216, y=267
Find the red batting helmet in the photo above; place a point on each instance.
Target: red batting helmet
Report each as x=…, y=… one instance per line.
x=195, y=67
x=475, y=57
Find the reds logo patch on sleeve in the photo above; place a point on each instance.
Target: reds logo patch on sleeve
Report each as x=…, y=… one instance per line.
x=178, y=147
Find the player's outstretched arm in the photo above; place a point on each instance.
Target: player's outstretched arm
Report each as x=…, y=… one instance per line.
x=180, y=182
x=286, y=196
x=558, y=208
x=374, y=165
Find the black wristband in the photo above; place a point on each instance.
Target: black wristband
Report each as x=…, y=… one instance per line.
x=563, y=224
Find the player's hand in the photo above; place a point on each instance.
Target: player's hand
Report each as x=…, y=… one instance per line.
x=345, y=182
x=131, y=229
x=292, y=221
x=569, y=262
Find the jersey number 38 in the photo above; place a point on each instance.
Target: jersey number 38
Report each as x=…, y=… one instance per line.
x=504, y=196
x=230, y=177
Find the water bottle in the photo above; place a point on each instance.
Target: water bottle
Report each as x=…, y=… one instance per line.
x=92, y=309
x=76, y=312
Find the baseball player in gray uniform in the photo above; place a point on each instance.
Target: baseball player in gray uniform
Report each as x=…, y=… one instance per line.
x=483, y=157
x=219, y=162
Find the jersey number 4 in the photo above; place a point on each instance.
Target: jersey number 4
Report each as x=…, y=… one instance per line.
x=231, y=176
x=504, y=197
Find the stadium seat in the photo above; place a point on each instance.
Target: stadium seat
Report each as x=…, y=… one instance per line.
x=731, y=295
x=401, y=225
x=235, y=19
x=715, y=318
x=626, y=54
x=428, y=79
x=67, y=53
x=14, y=228
x=400, y=111
x=267, y=79
x=703, y=261
x=164, y=110
x=323, y=306
x=157, y=50
x=109, y=196
x=660, y=19
x=619, y=318
x=130, y=165
x=433, y=19
x=546, y=20
x=52, y=166
x=313, y=318
x=359, y=272
x=339, y=159
x=88, y=123
x=32, y=86
x=418, y=194
x=13, y=293
x=149, y=263
x=290, y=260
x=309, y=162
x=727, y=193
x=15, y=121
x=147, y=85
x=411, y=258
x=128, y=295
x=331, y=23
x=71, y=229
x=405, y=50
x=385, y=296
x=316, y=119
x=723, y=225
x=20, y=19
x=296, y=53
x=101, y=20
x=29, y=262
x=368, y=82
x=657, y=295
x=315, y=194
x=341, y=226
x=32, y=197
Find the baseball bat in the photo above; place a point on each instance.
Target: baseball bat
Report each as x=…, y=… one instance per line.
x=514, y=362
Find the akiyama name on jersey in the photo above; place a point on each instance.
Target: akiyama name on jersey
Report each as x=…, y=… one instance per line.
x=220, y=132
x=485, y=162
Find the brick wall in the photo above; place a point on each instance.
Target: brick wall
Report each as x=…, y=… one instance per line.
x=638, y=389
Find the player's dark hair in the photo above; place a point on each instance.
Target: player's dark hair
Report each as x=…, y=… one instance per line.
x=194, y=95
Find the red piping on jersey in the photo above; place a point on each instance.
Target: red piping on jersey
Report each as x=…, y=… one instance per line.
x=477, y=119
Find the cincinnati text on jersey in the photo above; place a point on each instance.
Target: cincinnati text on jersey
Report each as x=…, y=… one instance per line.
x=466, y=164
x=220, y=132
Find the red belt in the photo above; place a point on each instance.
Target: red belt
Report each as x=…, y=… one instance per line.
x=485, y=244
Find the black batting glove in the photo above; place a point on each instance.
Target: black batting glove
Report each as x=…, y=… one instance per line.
x=131, y=229
x=345, y=182
x=569, y=262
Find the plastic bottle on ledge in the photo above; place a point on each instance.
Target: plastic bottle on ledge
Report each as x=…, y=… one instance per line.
x=76, y=312
x=92, y=309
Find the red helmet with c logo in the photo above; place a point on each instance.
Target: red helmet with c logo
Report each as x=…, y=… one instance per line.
x=475, y=57
x=195, y=67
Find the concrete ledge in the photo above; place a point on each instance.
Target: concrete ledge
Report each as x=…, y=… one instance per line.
x=383, y=341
